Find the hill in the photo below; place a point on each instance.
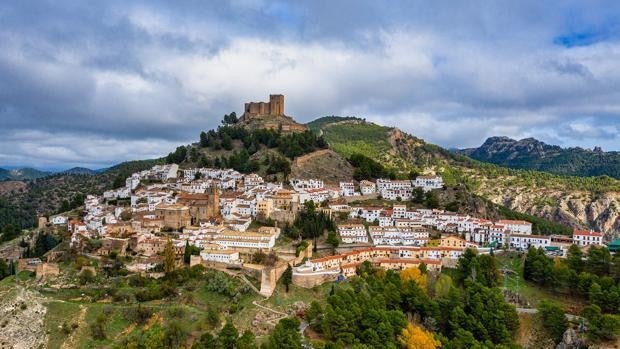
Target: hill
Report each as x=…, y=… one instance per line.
x=282, y=123
x=325, y=164
x=22, y=174
x=251, y=146
x=79, y=171
x=22, y=201
x=590, y=202
x=532, y=154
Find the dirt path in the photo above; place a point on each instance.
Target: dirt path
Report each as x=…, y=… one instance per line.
x=240, y=276
x=272, y=321
x=71, y=341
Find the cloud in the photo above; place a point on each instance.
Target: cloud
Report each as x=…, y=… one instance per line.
x=112, y=81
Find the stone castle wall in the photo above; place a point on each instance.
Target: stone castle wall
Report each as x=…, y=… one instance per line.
x=275, y=106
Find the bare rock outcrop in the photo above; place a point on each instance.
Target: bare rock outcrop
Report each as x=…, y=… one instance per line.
x=22, y=315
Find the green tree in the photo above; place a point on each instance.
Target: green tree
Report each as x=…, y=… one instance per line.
x=333, y=240
x=228, y=336
x=553, y=320
x=97, y=327
x=247, y=341
x=178, y=156
x=4, y=269
x=418, y=195
x=227, y=142
x=599, y=261
x=174, y=335
x=207, y=341
x=537, y=267
x=431, y=199
x=190, y=250
x=287, y=277
x=488, y=270
x=204, y=139
x=169, y=257
x=313, y=315
x=213, y=317
x=574, y=258
x=286, y=335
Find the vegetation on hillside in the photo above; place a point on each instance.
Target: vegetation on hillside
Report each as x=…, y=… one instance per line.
x=532, y=154
x=318, y=124
x=62, y=192
x=594, y=277
x=309, y=224
x=22, y=174
x=375, y=309
x=246, y=150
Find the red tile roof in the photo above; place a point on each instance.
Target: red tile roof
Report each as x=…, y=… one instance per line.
x=587, y=233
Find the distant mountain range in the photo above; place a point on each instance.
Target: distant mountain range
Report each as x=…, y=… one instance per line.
x=22, y=173
x=532, y=154
x=27, y=173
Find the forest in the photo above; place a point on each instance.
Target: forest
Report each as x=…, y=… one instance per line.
x=593, y=276
x=390, y=309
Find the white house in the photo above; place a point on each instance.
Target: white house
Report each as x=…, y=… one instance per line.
x=587, y=237
x=525, y=241
x=299, y=184
x=221, y=256
x=57, y=220
x=368, y=187
x=353, y=233
x=347, y=189
x=252, y=180
x=520, y=227
x=428, y=183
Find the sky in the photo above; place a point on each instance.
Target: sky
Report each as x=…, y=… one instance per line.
x=94, y=83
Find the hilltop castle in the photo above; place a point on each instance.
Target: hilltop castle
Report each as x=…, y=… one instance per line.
x=270, y=115
x=274, y=107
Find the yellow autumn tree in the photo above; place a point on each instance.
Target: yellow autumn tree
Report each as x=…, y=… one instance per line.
x=415, y=337
x=416, y=275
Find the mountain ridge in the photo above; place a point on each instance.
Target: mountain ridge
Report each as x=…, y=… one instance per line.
x=577, y=202
x=23, y=173
x=530, y=153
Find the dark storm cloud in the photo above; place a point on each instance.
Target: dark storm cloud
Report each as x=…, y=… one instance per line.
x=93, y=83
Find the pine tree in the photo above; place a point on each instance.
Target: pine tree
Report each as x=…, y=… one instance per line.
x=169, y=257
x=287, y=277
x=187, y=254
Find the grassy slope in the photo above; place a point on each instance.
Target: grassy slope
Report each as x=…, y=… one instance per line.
x=67, y=306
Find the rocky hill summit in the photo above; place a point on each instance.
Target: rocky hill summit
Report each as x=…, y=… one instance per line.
x=532, y=154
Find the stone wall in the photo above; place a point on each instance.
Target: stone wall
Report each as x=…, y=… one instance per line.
x=309, y=280
x=47, y=271
x=275, y=107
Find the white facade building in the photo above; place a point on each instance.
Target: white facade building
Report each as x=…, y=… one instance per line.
x=586, y=237
x=353, y=233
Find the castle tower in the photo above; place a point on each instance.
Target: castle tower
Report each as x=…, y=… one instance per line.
x=276, y=104
x=275, y=107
